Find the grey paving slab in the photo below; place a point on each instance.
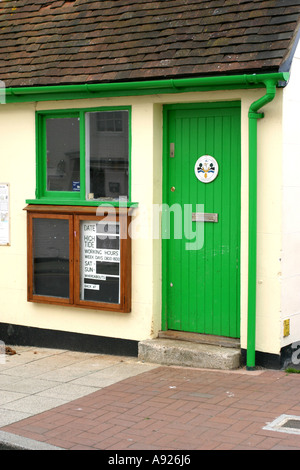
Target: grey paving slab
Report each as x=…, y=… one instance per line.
x=28, y=354
x=11, y=416
x=78, y=369
x=113, y=374
x=33, y=404
x=67, y=391
x=9, y=396
x=7, y=381
x=28, y=370
x=28, y=386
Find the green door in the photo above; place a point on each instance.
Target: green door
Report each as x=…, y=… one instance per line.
x=201, y=218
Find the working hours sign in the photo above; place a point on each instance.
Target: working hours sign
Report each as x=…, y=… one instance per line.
x=100, y=261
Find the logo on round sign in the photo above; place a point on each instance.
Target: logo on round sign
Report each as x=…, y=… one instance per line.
x=206, y=169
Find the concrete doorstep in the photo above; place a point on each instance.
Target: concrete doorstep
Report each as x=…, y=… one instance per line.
x=189, y=354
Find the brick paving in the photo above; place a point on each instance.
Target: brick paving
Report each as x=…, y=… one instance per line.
x=171, y=408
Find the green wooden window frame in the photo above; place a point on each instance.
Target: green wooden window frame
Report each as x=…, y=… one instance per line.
x=44, y=196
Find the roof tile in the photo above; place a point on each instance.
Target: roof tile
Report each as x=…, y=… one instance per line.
x=59, y=42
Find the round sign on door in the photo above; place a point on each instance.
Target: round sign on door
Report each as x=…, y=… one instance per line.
x=206, y=169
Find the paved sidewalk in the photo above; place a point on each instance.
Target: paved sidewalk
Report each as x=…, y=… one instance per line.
x=53, y=399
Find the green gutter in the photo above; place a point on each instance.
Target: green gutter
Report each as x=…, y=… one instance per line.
x=269, y=81
x=101, y=90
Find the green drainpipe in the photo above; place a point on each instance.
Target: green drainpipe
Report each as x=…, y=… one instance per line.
x=252, y=255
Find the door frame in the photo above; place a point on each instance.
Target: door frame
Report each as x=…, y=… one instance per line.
x=165, y=171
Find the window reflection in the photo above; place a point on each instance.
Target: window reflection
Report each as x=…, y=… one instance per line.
x=51, y=257
x=107, y=154
x=63, y=164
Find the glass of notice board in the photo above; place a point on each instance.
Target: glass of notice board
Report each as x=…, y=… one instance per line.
x=51, y=257
x=103, y=261
x=100, y=261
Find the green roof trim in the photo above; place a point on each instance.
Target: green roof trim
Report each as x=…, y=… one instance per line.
x=149, y=87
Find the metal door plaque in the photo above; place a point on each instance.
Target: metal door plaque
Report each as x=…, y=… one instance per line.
x=204, y=217
x=172, y=150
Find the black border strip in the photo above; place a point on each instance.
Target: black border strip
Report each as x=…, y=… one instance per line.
x=19, y=335
x=271, y=361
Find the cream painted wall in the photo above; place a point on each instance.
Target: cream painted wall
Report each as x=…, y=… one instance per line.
x=269, y=227
x=145, y=319
x=290, y=293
x=17, y=167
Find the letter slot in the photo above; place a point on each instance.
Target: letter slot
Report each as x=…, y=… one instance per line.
x=204, y=217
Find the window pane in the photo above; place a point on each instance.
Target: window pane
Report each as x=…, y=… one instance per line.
x=100, y=261
x=107, y=154
x=51, y=257
x=63, y=169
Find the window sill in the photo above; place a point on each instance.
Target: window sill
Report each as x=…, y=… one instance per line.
x=93, y=203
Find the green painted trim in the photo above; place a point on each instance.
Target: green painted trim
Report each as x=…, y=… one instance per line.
x=41, y=187
x=147, y=87
x=82, y=151
x=165, y=156
x=203, y=105
x=252, y=243
x=37, y=151
x=74, y=202
x=129, y=150
x=43, y=196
